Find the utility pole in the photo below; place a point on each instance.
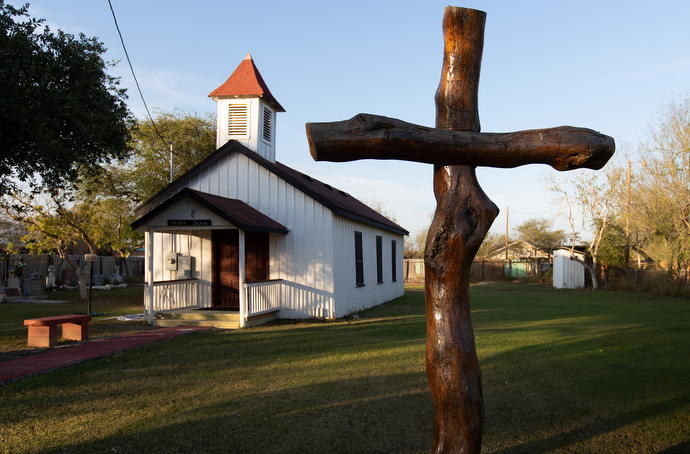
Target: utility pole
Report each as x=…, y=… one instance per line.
x=627, y=220
x=507, y=214
x=171, y=160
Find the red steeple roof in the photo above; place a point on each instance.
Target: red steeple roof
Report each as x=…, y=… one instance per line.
x=245, y=82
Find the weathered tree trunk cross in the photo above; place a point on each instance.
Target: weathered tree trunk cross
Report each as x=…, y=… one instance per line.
x=463, y=214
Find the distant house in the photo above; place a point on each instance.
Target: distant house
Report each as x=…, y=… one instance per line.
x=243, y=232
x=522, y=259
x=518, y=250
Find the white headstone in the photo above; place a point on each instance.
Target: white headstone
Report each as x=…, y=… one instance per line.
x=50, y=279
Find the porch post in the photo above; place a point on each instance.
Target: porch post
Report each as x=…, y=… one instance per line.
x=243, y=294
x=149, y=273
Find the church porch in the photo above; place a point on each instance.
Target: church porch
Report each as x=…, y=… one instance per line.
x=221, y=319
x=176, y=303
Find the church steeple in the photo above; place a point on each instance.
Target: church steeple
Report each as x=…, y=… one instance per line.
x=247, y=110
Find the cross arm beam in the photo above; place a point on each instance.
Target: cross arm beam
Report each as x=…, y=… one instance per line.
x=367, y=136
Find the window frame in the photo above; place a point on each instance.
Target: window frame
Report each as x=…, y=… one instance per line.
x=379, y=259
x=394, y=265
x=359, y=259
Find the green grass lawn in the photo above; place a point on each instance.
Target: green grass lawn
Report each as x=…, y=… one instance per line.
x=563, y=372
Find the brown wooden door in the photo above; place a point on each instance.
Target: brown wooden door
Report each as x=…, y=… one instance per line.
x=256, y=256
x=226, y=264
x=226, y=269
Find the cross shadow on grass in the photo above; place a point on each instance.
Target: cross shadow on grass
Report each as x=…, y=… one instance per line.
x=573, y=372
x=583, y=371
x=341, y=388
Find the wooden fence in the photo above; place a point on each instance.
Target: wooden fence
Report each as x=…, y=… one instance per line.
x=485, y=270
x=482, y=270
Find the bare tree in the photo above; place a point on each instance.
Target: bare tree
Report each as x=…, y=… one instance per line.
x=491, y=242
x=660, y=193
x=594, y=194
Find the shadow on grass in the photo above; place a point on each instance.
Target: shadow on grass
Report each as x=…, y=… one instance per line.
x=243, y=391
x=307, y=419
x=682, y=448
x=594, y=430
x=563, y=372
x=584, y=372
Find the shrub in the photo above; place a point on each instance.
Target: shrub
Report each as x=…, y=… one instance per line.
x=645, y=281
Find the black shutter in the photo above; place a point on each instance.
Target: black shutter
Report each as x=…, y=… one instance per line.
x=393, y=262
x=379, y=260
x=359, y=260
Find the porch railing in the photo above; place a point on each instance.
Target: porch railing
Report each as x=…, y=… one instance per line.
x=263, y=296
x=173, y=295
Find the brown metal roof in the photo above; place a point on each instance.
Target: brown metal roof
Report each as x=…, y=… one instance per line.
x=234, y=211
x=335, y=200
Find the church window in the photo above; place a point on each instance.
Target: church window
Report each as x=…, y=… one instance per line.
x=359, y=260
x=394, y=262
x=379, y=259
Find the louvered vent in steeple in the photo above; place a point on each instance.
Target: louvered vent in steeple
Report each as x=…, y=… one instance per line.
x=247, y=111
x=267, y=125
x=238, y=120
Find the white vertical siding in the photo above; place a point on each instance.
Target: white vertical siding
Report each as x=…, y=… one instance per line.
x=567, y=273
x=253, y=140
x=315, y=259
x=303, y=258
x=350, y=297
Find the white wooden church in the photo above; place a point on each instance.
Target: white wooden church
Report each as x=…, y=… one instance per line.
x=243, y=233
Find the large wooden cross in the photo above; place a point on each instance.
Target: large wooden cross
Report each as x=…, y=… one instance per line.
x=463, y=214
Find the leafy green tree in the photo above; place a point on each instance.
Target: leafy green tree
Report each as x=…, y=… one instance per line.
x=94, y=215
x=148, y=169
x=540, y=233
x=53, y=227
x=61, y=113
x=92, y=225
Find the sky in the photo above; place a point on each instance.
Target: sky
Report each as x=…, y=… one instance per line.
x=605, y=65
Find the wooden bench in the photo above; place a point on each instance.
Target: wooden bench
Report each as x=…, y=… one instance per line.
x=43, y=331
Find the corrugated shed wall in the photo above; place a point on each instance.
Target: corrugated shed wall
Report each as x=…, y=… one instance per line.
x=567, y=273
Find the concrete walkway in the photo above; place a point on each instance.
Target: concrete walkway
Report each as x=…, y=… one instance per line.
x=59, y=357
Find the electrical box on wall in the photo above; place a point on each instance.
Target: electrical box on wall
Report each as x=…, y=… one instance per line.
x=171, y=261
x=185, y=268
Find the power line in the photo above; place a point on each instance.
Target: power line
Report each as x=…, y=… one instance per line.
x=135, y=76
x=538, y=212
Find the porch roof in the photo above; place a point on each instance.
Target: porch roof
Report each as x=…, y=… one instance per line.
x=233, y=211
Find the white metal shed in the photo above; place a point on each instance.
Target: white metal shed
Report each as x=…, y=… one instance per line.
x=568, y=273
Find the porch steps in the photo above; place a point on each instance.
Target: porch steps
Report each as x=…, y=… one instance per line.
x=193, y=317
